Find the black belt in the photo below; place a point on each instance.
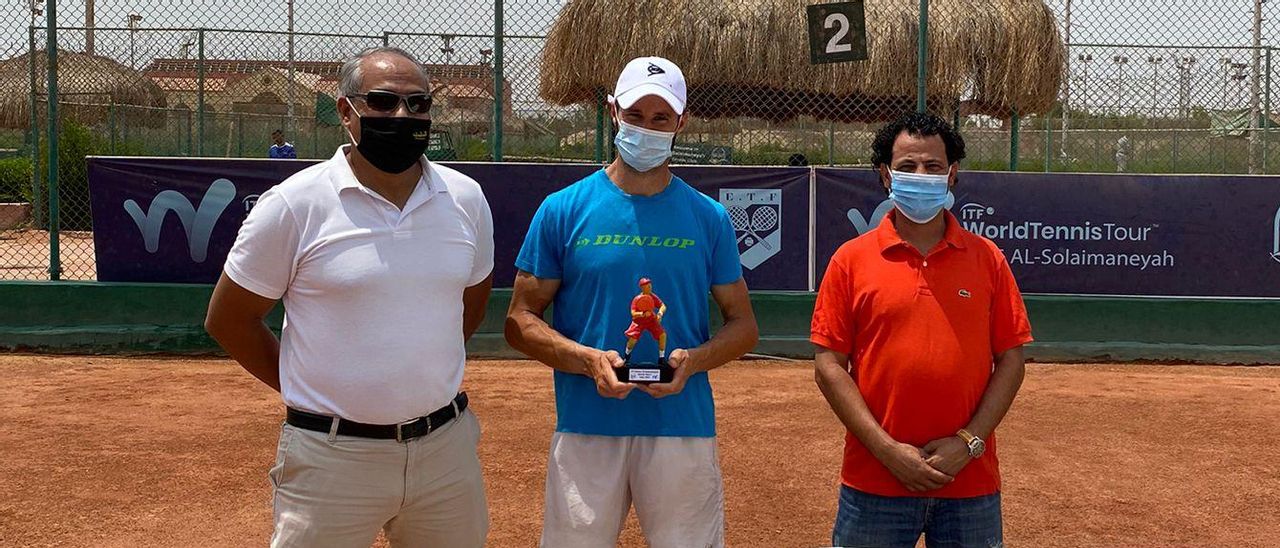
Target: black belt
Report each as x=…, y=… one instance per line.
x=402, y=432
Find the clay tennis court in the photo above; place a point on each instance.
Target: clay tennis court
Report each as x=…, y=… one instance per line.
x=24, y=255
x=104, y=451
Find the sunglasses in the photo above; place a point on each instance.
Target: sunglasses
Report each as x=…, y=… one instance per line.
x=386, y=101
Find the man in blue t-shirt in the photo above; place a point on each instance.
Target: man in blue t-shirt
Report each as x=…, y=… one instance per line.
x=279, y=147
x=617, y=443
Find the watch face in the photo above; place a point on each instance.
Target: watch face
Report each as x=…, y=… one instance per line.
x=977, y=447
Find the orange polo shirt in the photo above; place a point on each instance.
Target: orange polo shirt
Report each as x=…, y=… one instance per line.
x=921, y=333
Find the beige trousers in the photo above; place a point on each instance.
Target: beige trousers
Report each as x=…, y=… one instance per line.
x=340, y=491
x=674, y=484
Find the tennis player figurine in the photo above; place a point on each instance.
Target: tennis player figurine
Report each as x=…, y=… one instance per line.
x=647, y=310
x=646, y=315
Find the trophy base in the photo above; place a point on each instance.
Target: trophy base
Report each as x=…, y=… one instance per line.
x=646, y=373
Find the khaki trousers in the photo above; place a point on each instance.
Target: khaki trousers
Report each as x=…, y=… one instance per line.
x=339, y=491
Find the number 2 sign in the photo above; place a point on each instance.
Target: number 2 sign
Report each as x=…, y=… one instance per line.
x=837, y=32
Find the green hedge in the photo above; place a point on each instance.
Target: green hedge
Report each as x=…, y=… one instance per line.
x=15, y=179
x=75, y=142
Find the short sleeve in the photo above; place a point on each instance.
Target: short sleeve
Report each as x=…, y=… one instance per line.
x=483, y=263
x=1010, y=327
x=726, y=263
x=833, y=322
x=543, y=251
x=264, y=256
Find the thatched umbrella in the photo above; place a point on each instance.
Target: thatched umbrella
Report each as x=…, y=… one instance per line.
x=82, y=80
x=751, y=57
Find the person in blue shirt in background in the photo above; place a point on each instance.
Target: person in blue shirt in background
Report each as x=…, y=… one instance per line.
x=617, y=444
x=280, y=148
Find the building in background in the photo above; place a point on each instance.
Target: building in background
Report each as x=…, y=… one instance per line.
x=463, y=93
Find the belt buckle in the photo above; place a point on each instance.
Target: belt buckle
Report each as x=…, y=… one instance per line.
x=400, y=427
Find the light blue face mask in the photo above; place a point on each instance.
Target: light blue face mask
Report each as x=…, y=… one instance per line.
x=920, y=197
x=643, y=149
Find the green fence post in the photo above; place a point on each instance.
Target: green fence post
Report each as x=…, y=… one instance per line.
x=1014, y=133
x=36, y=186
x=111, y=124
x=1223, y=141
x=1048, y=142
x=51, y=48
x=1266, y=117
x=200, y=68
x=922, y=50
x=831, y=143
x=498, y=32
x=612, y=150
x=240, y=135
x=599, y=126
x=189, y=126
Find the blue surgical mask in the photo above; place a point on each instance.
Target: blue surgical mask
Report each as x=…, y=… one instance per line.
x=643, y=149
x=920, y=197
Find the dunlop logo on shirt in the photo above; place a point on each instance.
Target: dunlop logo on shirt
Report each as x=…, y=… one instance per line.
x=634, y=240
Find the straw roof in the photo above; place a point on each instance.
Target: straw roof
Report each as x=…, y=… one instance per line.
x=82, y=80
x=750, y=58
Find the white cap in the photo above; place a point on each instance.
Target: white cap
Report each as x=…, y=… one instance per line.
x=646, y=76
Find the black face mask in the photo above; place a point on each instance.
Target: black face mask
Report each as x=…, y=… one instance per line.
x=393, y=144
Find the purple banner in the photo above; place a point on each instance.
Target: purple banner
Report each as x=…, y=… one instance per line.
x=769, y=208
x=1095, y=234
x=174, y=219
x=171, y=219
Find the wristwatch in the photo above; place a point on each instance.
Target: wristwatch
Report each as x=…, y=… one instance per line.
x=976, y=446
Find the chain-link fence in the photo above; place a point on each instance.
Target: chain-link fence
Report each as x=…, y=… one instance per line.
x=1168, y=87
x=1175, y=86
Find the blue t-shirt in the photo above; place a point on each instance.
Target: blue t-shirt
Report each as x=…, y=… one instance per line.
x=282, y=151
x=599, y=241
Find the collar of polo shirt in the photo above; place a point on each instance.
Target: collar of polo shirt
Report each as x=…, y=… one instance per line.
x=344, y=178
x=888, y=238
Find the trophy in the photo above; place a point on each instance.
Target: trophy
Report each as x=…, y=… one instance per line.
x=647, y=311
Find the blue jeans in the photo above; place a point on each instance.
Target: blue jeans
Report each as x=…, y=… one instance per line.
x=872, y=521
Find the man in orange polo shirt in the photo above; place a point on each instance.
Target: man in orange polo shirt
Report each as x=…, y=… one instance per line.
x=919, y=327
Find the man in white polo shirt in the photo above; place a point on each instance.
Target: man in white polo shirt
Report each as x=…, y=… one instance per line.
x=383, y=261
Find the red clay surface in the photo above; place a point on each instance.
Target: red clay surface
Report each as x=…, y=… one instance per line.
x=174, y=452
x=24, y=255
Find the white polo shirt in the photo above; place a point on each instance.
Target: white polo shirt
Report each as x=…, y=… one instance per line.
x=372, y=293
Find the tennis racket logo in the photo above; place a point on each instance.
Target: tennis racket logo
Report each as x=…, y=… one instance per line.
x=750, y=226
x=756, y=216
